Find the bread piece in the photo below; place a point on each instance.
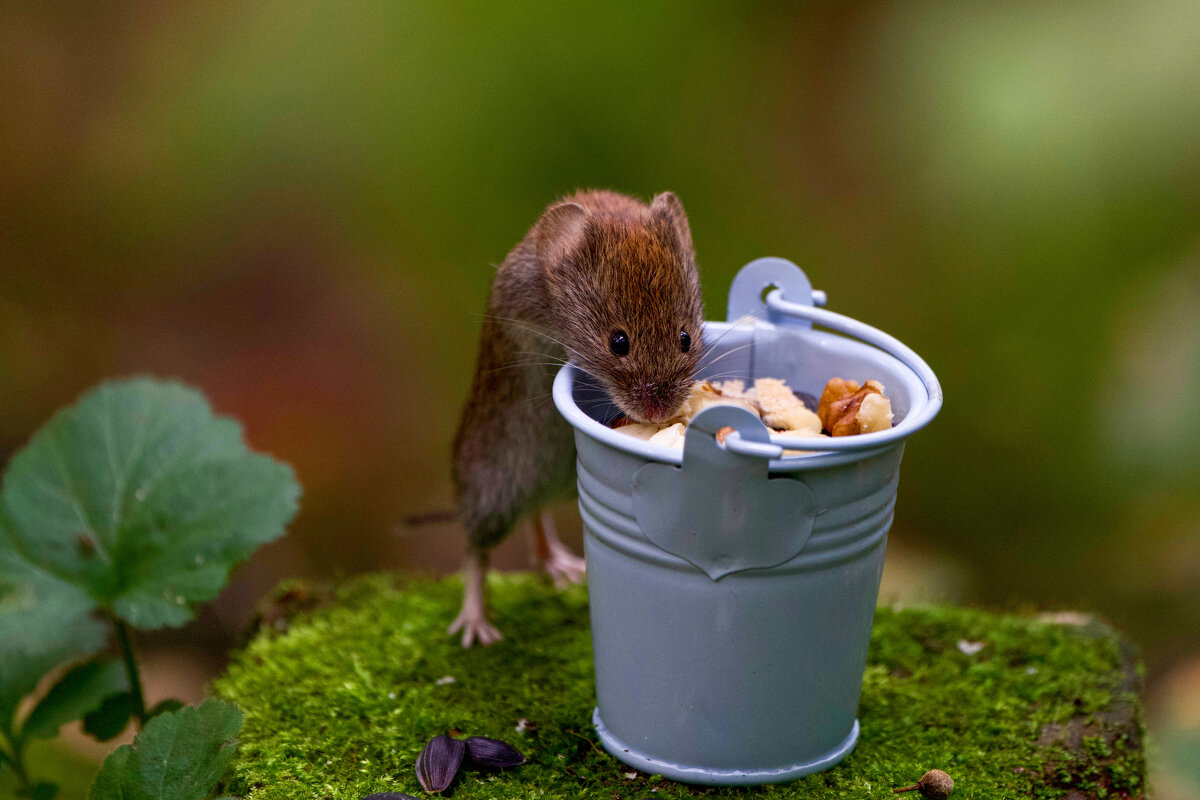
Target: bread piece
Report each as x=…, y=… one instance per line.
x=705, y=395
x=640, y=430
x=671, y=436
x=781, y=409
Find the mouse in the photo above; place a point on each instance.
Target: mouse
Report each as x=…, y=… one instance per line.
x=609, y=283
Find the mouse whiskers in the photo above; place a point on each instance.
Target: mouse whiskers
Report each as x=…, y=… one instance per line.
x=521, y=324
x=552, y=360
x=710, y=347
x=719, y=358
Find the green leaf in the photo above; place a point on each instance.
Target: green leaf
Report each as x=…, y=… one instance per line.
x=110, y=781
x=43, y=623
x=164, y=707
x=81, y=690
x=142, y=499
x=44, y=791
x=179, y=755
x=107, y=721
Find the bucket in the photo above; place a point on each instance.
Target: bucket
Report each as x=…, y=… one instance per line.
x=732, y=587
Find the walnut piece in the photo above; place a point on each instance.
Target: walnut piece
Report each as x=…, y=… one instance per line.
x=875, y=413
x=846, y=409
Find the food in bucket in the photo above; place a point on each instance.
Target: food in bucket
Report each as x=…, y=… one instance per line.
x=845, y=409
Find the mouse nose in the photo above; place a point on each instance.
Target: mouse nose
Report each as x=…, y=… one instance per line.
x=657, y=401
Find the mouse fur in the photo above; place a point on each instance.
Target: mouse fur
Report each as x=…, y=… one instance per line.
x=595, y=263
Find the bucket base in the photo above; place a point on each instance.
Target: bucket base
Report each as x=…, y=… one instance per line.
x=720, y=777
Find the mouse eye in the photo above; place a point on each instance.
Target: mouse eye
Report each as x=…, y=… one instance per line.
x=619, y=343
x=685, y=341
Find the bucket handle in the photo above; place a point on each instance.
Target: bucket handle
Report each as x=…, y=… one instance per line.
x=779, y=272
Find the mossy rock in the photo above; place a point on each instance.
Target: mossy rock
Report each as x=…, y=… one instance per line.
x=340, y=697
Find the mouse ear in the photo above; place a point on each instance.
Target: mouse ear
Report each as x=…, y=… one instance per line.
x=666, y=207
x=558, y=232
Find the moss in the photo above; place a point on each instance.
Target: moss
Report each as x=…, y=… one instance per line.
x=339, y=705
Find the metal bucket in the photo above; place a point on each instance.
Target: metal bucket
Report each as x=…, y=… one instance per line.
x=732, y=588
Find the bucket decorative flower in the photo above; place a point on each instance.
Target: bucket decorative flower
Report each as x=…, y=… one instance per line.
x=733, y=585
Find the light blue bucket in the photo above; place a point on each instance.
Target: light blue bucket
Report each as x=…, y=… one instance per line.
x=732, y=590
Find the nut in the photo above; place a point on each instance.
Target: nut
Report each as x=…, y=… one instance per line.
x=841, y=408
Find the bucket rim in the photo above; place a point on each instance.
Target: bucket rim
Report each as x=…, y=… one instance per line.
x=830, y=450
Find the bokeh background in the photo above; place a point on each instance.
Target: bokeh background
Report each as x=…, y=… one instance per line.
x=297, y=207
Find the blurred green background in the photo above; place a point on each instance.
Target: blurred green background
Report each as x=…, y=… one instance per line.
x=296, y=207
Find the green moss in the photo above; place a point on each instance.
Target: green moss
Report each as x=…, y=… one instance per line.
x=339, y=705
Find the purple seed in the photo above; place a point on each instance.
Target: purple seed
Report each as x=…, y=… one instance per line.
x=487, y=752
x=809, y=401
x=439, y=762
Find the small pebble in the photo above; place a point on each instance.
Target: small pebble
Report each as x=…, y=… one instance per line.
x=970, y=648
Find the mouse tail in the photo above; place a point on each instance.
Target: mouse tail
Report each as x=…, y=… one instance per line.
x=429, y=517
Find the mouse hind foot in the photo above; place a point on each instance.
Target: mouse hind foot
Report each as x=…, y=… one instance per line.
x=563, y=566
x=475, y=628
x=472, y=617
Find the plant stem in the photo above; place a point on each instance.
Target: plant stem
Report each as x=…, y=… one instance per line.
x=16, y=758
x=125, y=642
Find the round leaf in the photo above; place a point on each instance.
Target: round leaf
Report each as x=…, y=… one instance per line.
x=145, y=500
x=43, y=623
x=179, y=755
x=81, y=690
x=107, y=721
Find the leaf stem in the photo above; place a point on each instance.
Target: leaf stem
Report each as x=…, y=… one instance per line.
x=125, y=643
x=16, y=758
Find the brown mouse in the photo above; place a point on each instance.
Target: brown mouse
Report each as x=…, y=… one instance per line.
x=602, y=279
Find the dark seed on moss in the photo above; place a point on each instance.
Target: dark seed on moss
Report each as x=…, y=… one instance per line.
x=439, y=762
x=487, y=752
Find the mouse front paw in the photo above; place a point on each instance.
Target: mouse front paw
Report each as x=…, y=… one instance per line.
x=475, y=628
